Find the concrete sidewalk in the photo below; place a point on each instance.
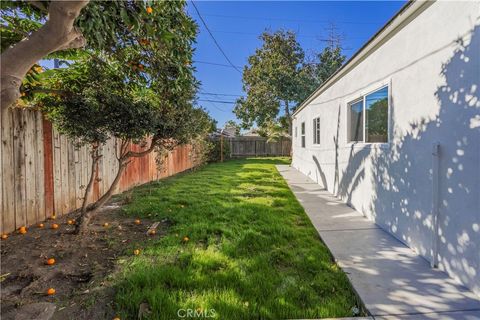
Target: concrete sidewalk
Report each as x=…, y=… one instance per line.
x=392, y=281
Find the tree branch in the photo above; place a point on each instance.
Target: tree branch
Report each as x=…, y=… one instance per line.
x=153, y=144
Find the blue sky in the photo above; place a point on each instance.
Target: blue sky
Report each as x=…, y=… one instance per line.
x=237, y=25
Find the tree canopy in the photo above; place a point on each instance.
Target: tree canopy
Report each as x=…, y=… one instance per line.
x=278, y=78
x=316, y=71
x=271, y=79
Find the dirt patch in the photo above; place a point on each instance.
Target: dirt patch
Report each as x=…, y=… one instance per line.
x=80, y=273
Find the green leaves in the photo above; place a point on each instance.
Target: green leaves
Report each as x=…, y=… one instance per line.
x=278, y=78
x=316, y=72
x=271, y=79
x=134, y=79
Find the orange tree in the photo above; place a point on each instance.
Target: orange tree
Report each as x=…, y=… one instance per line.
x=140, y=85
x=91, y=102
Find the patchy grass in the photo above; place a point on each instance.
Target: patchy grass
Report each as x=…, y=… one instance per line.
x=251, y=250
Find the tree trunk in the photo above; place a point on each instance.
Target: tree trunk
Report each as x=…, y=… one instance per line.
x=58, y=33
x=85, y=215
x=123, y=161
x=122, y=165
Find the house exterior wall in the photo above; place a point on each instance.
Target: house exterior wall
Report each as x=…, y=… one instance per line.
x=431, y=65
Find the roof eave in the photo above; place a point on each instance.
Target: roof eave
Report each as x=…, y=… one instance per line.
x=370, y=46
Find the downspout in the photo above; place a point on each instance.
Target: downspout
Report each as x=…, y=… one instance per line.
x=435, y=207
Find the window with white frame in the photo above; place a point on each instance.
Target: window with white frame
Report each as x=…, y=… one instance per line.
x=316, y=130
x=368, y=117
x=303, y=134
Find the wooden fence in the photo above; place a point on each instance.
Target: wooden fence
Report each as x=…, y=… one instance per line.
x=258, y=146
x=43, y=172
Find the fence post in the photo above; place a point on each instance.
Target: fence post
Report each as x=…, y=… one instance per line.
x=49, y=194
x=281, y=146
x=221, y=147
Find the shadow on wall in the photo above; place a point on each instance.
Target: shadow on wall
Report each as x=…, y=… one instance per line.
x=402, y=175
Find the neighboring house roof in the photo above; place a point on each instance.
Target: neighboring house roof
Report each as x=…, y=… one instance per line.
x=251, y=133
x=230, y=130
x=221, y=132
x=397, y=22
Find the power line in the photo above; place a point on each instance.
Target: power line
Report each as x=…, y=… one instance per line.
x=218, y=101
x=289, y=20
x=298, y=35
x=216, y=64
x=221, y=94
x=214, y=40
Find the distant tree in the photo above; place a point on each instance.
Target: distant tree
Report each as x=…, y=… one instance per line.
x=231, y=125
x=272, y=130
x=271, y=80
x=315, y=72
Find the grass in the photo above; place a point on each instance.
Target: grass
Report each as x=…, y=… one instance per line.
x=252, y=252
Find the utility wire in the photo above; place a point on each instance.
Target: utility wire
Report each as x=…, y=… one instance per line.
x=221, y=94
x=213, y=38
x=216, y=64
x=290, y=20
x=300, y=35
x=218, y=101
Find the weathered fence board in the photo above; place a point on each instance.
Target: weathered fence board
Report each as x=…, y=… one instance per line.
x=43, y=172
x=8, y=176
x=258, y=146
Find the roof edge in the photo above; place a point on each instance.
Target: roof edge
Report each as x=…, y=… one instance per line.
x=375, y=42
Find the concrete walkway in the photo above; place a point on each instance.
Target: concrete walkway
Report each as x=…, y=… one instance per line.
x=392, y=281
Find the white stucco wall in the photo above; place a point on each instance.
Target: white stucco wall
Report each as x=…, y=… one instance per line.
x=434, y=96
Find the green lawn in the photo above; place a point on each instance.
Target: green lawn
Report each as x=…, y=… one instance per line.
x=252, y=253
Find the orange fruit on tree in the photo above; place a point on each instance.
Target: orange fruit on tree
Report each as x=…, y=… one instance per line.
x=137, y=221
x=116, y=318
x=105, y=224
x=149, y=10
x=4, y=236
x=51, y=291
x=51, y=262
x=136, y=252
x=70, y=222
x=22, y=230
x=54, y=226
x=152, y=232
x=41, y=225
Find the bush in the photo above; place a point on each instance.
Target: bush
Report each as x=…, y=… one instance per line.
x=201, y=151
x=214, y=155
